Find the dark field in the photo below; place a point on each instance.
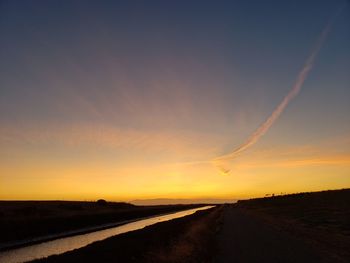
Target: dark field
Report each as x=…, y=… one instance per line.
x=306, y=227
x=185, y=240
x=29, y=219
x=322, y=219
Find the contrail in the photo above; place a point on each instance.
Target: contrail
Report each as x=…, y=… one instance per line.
x=294, y=91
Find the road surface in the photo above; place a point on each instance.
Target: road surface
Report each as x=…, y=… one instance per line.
x=246, y=239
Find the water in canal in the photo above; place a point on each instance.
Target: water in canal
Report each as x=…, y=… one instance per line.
x=62, y=245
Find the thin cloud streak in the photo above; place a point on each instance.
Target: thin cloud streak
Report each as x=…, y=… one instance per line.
x=294, y=91
x=103, y=136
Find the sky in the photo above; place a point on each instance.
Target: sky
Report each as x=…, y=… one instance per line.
x=128, y=100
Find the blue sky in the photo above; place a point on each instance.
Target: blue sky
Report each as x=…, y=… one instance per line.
x=138, y=75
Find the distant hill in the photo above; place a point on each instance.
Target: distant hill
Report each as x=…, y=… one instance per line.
x=327, y=197
x=170, y=201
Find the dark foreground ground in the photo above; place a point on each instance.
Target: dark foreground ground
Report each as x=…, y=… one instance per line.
x=21, y=220
x=182, y=240
x=308, y=227
x=247, y=239
x=320, y=220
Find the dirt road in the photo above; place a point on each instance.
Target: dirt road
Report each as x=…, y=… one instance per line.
x=244, y=238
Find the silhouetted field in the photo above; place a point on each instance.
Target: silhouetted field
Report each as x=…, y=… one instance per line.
x=306, y=225
x=28, y=219
x=187, y=239
x=320, y=218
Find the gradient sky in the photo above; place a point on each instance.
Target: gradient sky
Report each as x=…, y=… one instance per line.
x=115, y=99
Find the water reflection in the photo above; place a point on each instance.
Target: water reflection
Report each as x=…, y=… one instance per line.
x=62, y=245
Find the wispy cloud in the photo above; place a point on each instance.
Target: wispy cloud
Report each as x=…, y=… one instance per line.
x=172, y=142
x=325, y=160
x=330, y=152
x=294, y=91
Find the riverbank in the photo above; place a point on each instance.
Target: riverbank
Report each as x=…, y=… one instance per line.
x=23, y=222
x=187, y=239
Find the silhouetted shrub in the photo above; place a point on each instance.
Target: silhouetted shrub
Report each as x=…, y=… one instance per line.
x=101, y=202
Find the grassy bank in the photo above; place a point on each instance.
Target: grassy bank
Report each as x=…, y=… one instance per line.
x=320, y=218
x=185, y=240
x=29, y=219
